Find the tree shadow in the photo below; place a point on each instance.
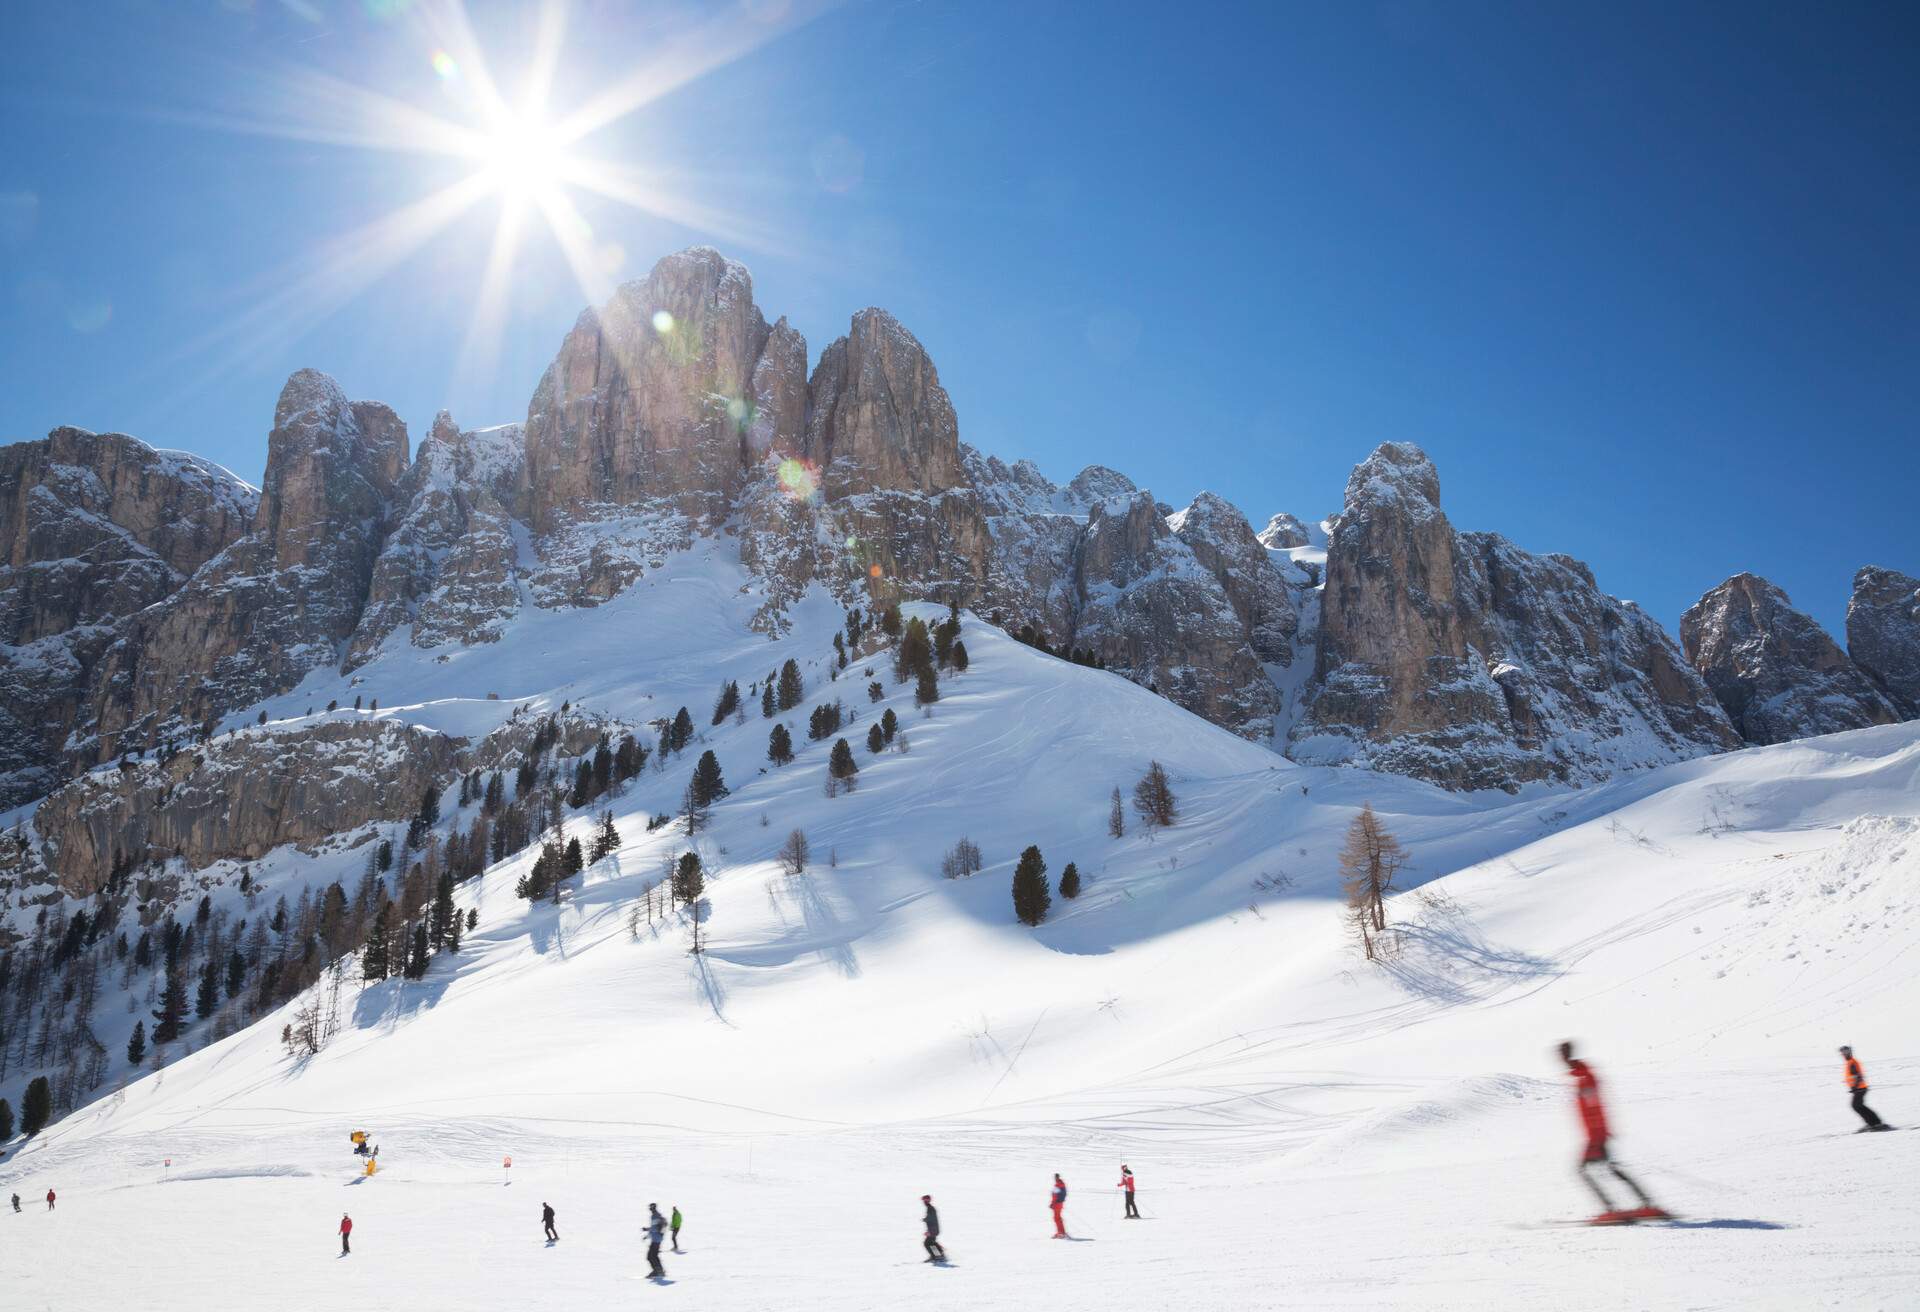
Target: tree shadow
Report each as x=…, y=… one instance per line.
x=1441, y=954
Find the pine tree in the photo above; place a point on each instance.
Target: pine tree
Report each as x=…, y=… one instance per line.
x=681, y=732
x=876, y=740
x=6, y=1120
x=417, y=963
x=766, y=701
x=791, y=688
x=874, y=691
x=926, y=689
x=944, y=636
x=779, y=745
x=915, y=651
x=841, y=764
x=440, y=921
x=582, y=786
x=385, y=854
x=172, y=1013
x=576, y=860
x=207, y=997
x=37, y=1107
x=375, y=963
x=959, y=657
x=236, y=972
x=1030, y=896
x=1070, y=881
x=607, y=841
x=889, y=724
x=890, y=620
x=1116, y=817
x=689, y=879
x=707, y=786
x=430, y=806
x=1153, y=796
x=727, y=702
x=1369, y=860
x=136, y=1053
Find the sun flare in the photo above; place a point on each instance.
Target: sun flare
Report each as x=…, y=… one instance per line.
x=522, y=159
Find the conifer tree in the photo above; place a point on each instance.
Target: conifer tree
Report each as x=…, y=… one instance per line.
x=791, y=688
x=1116, y=817
x=207, y=997
x=915, y=651
x=876, y=740
x=6, y=1116
x=681, y=732
x=889, y=724
x=689, y=879
x=440, y=920
x=375, y=961
x=766, y=701
x=707, y=784
x=576, y=860
x=779, y=745
x=1030, y=896
x=37, y=1107
x=602, y=767
x=1070, y=881
x=841, y=764
x=926, y=690
x=890, y=620
x=172, y=1012
x=582, y=786
x=430, y=806
x=959, y=657
x=136, y=1053
x=874, y=691
x=727, y=702
x=417, y=962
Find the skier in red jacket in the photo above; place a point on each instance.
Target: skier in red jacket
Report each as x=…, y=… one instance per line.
x=1126, y=1183
x=1057, y=1201
x=346, y=1233
x=1593, y=1116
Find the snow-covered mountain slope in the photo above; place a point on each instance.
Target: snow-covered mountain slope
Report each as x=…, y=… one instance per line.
x=1309, y=1129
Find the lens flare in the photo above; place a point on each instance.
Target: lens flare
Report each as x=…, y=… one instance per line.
x=798, y=479
x=443, y=65
x=662, y=322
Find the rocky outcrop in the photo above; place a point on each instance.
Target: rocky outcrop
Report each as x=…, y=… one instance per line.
x=1776, y=672
x=280, y=602
x=1462, y=659
x=1153, y=611
x=449, y=566
x=1883, y=633
x=238, y=796
x=1284, y=531
x=651, y=398
x=94, y=527
x=1222, y=541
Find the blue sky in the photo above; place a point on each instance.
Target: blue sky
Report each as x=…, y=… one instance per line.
x=1643, y=279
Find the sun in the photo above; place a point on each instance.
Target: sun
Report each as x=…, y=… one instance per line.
x=522, y=159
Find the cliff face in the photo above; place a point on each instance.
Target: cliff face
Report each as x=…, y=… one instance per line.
x=1776, y=673
x=1462, y=659
x=94, y=527
x=281, y=601
x=1883, y=633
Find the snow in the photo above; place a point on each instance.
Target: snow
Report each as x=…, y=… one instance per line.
x=1309, y=1130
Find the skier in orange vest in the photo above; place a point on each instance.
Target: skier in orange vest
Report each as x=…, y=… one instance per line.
x=1857, y=1081
x=1593, y=1116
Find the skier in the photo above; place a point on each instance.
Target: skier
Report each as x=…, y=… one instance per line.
x=1857, y=1081
x=935, y=1253
x=1126, y=1183
x=673, y=1225
x=346, y=1231
x=49, y=1200
x=1586, y=1091
x=656, y=1230
x=1059, y=1204
x=546, y=1219
x=16, y=1202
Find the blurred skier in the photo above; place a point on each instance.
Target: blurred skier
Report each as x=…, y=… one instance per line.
x=1593, y=1115
x=546, y=1220
x=656, y=1231
x=1857, y=1081
x=49, y=1200
x=935, y=1253
x=1126, y=1183
x=16, y=1202
x=1059, y=1204
x=673, y=1227
x=346, y=1232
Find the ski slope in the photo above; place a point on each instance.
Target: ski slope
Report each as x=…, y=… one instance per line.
x=1309, y=1130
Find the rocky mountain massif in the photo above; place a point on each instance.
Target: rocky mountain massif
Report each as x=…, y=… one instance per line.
x=148, y=595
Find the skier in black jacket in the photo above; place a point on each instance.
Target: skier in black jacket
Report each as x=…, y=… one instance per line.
x=546, y=1219
x=935, y=1253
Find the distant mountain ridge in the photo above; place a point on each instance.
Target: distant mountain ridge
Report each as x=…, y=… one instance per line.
x=148, y=594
